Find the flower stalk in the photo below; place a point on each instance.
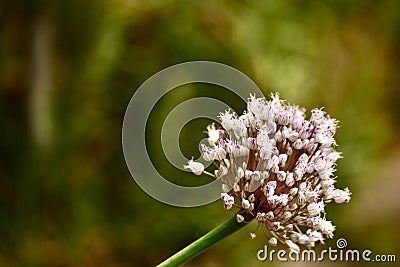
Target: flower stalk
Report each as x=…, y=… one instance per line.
x=206, y=241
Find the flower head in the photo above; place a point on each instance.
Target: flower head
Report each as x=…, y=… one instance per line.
x=277, y=166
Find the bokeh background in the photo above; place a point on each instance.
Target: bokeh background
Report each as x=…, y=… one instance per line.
x=69, y=68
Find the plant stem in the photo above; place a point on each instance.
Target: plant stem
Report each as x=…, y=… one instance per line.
x=203, y=243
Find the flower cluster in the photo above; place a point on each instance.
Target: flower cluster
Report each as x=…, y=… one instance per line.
x=277, y=166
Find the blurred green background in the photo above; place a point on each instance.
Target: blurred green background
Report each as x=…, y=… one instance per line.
x=69, y=68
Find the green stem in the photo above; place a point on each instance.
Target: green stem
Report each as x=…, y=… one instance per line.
x=203, y=243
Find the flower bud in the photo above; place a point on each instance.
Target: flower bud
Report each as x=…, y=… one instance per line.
x=195, y=167
x=239, y=218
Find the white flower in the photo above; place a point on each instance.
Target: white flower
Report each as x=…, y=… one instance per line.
x=290, y=180
x=240, y=173
x=208, y=153
x=213, y=134
x=228, y=200
x=270, y=188
x=283, y=199
x=195, y=167
x=341, y=196
x=246, y=204
x=273, y=200
x=326, y=227
x=314, y=236
x=315, y=209
x=278, y=166
x=281, y=175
